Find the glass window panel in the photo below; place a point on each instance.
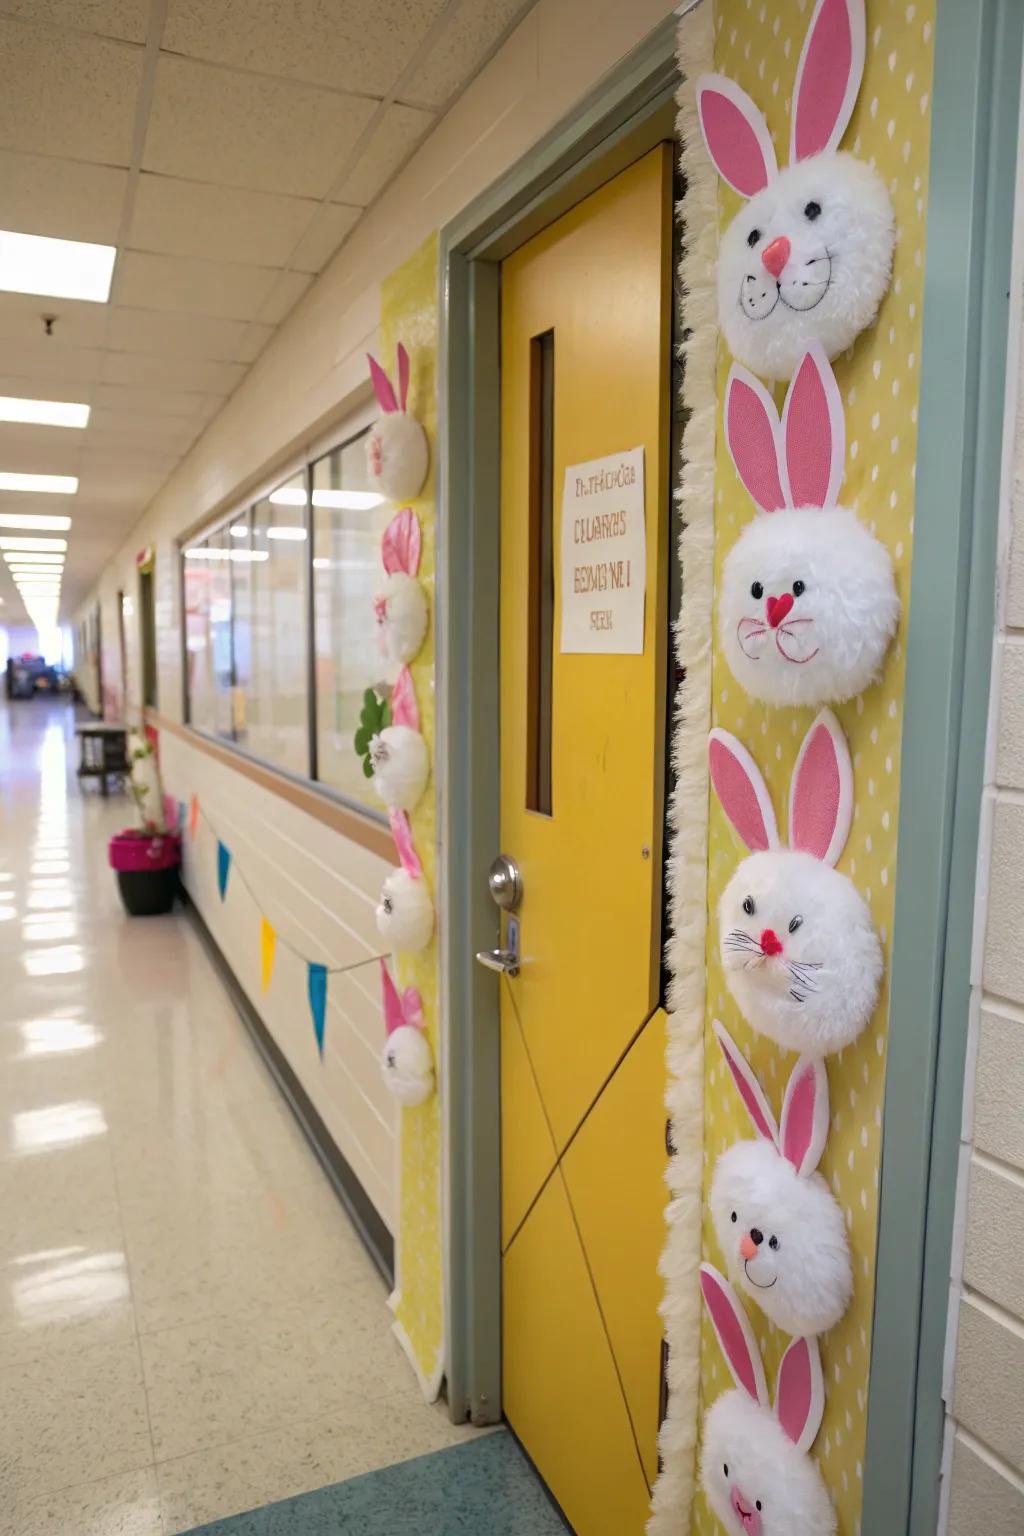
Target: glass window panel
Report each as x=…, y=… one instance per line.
x=198, y=653
x=220, y=631
x=348, y=520
x=275, y=700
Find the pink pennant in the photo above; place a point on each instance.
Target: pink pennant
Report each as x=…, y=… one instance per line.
x=403, y=376
x=382, y=387
x=402, y=834
x=399, y=1010
x=404, y=709
x=402, y=543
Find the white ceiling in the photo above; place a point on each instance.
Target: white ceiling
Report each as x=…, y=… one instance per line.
x=227, y=148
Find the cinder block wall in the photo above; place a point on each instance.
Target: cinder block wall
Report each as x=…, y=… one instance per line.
x=984, y=1465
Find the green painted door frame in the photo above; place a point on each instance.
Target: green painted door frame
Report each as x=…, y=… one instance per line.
x=976, y=96
x=973, y=160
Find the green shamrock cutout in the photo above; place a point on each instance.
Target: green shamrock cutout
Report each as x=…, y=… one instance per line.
x=373, y=717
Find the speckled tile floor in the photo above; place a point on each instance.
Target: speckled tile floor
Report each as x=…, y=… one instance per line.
x=189, y=1327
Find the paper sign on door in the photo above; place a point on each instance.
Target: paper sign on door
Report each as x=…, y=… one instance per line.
x=604, y=555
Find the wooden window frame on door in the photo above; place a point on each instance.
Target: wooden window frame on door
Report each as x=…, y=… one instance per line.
x=959, y=453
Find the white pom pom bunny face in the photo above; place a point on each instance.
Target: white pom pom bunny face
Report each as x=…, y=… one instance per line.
x=809, y=257
x=405, y=913
x=396, y=449
x=400, y=605
x=401, y=766
x=777, y=1221
x=755, y=1470
x=798, y=948
x=808, y=603
x=406, y=1061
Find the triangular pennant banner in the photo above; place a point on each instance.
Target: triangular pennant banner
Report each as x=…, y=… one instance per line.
x=268, y=939
x=182, y=814
x=193, y=817
x=318, y=1001
x=223, y=868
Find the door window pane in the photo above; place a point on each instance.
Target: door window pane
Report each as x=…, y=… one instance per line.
x=198, y=654
x=275, y=699
x=348, y=521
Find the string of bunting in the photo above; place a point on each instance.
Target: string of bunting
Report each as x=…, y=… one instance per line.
x=316, y=972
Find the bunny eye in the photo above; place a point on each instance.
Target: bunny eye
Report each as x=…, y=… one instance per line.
x=799, y=588
x=748, y=905
x=753, y=238
x=812, y=211
x=795, y=923
x=725, y=1468
x=387, y=905
x=773, y=1243
x=733, y=1218
x=757, y=1503
x=757, y=590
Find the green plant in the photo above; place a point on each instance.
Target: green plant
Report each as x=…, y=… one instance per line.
x=145, y=785
x=373, y=717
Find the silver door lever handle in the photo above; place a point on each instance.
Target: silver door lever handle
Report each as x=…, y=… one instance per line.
x=505, y=961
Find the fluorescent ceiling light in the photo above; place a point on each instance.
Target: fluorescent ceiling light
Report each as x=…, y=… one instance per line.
x=33, y=520
x=227, y=554
x=239, y=530
x=52, y=485
x=62, y=269
x=40, y=546
x=295, y=534
x=28, y=569
x=41, y=557
x=44, y=413
x=349, y=501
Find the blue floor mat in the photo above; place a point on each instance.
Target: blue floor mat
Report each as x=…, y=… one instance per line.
x=483, y=1488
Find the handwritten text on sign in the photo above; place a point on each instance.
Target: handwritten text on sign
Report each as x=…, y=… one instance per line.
x=604, y=555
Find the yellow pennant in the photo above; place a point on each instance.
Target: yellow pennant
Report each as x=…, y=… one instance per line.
x=268, y=939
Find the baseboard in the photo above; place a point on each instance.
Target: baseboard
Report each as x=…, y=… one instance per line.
x=378, y=1241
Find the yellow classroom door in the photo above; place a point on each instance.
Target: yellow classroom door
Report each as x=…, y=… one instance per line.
x=585, y=379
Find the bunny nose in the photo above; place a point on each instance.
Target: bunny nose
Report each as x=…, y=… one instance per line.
x=776, y=254
x=770, y=943
x=777, y=608
x=748, y=1248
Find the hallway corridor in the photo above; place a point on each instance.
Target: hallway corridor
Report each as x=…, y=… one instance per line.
x=189, y=1326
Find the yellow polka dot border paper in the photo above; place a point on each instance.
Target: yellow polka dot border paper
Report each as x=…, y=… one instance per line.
x=758, y=44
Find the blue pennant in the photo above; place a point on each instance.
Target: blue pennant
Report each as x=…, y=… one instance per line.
x=318, y=1001
x=182, y=814
x=223, y=867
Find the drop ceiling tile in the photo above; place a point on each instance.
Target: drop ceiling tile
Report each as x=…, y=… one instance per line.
x=209, y=124
x=184, y=285
x=465, y=45
x=164, y=432
x=285, y=294
x=38, y=450
x=142, y=330
x=196, y=373
x=332, y=223
x=363, y=45
x=75, y=324
x=63, y=366
x=156, y=401
x=61, y=198
x=65, y=94
x=193, y=218
x=394, y=139
x=256, y=338
x=125, y=19
x=46, y=389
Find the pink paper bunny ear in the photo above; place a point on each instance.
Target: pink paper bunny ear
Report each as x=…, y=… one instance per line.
x=800, y=1392
x=828, y=77
x=412, y=1009
x=735, y=1334
x=393, y=1016
x=804, y=1128
x=754, y=436
x=736, y=135
x=821, y=792
x=382, y=386
x=750, y=1090
x=401, y=831
x=403, y=376
x=742, y=791
x=814, y=432
x=402, y=544
x=404, y=709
